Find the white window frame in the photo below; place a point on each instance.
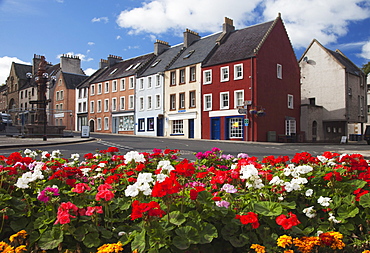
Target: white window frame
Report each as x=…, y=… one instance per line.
x=192, y=99
x=238, y=101
x=192, y=74
x=157, y=81
x=290, y=126
x=98, y=123
x=225, y=73
x=222, y=95
x=106, y=87
x=207, y=76
x=290, y=101
x=157, y=101
x=99, y=88
x=122, y=101
x=182, y=100
x=106, y=123
x=236, y=128
x=92, y=90
x=279, y=71
x=131, y=83
x=114, y=104
x=131, y=102
x=150, y=84
x=106, y=105
x=149, y=102
x=141, y=125
x=141, y=104
x=122, y=84
x=178, y=126
x=114, y=86
x=238, y=71
x=99, y=106
x=141, y=84
x=92, y=106
x=207, y=98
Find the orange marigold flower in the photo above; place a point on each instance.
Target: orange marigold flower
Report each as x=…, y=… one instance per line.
x=258, y=248
x=20, y=249
x=21, y=234
x=288, y=251
x=111, y=248
x=366, y=251
x=6, y=248
x=305, y=244
x=284, y=240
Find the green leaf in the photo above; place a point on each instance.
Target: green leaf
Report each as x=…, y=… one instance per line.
x=80, y=233
x=185, y=236
x=365, y=200
x=51, y=239
x=229, y=230
x=239, y=241
x=267, y=208
x=289, y=205
x=177, y=218
x=207, y=233
x=139, y=242
x=346, y=211
x=92, y=240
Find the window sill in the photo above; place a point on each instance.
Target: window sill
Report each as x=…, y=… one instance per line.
x=176, y=134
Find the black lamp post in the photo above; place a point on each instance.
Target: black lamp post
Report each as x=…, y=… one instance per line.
x=41, y=80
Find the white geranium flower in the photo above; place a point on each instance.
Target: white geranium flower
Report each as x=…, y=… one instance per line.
x=161, y=177
x=332, y=218
x=280, y=198
x=101, y=165
x=131, y=191
x=324, y=201
x=134, y=155
x=22, y=183
x=309, y=212
x=55, y=154
x=75, y=157
x=304, y=169
x=276, y=181
x=43, y=154
x=85, y=171
x=165, y=165
x=144, y=178
x=309, y=193
x=287, y=171
x=248, y=171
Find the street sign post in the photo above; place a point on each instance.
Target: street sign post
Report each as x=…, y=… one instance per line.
x=242, y=111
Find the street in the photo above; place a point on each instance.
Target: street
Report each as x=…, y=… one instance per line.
x=188, y=147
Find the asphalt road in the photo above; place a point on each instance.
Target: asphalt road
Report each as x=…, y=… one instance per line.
x=188, y=147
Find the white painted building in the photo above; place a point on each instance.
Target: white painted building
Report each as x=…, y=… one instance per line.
x=333, y=95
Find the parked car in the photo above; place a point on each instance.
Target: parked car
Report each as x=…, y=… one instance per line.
x=5, y=119
x=367, y=135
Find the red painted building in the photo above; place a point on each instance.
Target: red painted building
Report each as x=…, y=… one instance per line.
x=251, y=85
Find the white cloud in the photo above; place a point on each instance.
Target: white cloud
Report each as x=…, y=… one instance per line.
x=366, y=51
x=5, y=65
x=101, y=19
x=89, y=71
x=90, y=43
x=81, y=56
x=305, y=20
x=118, y=37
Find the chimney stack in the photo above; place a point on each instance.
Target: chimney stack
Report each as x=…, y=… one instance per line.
x=113, y=59
x=228, y=25
x=160, y=46
x=189, y=37
x=70, y=64
x=103, y=63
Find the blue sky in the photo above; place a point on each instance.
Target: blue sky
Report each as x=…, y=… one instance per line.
x=94, y=29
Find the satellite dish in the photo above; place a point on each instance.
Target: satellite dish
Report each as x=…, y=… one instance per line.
x=305, y=59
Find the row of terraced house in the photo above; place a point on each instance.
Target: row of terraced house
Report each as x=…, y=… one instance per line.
x=233, y=85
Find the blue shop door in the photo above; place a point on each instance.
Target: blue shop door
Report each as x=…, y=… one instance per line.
x=160, y=126
x=191, y=128
x=115, y=125
x=215, y=128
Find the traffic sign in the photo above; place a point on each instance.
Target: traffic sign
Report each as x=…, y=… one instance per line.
x=246, y=122
x=242, y=111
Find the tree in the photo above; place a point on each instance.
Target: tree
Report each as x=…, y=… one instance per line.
x=366, y=68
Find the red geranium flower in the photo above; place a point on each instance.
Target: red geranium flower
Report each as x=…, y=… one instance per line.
x=287, y=223
x=249, y=218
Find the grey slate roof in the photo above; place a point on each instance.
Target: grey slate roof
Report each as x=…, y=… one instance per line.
x=86, y=83
x=239, y=44
x=120, y=69
x=347, y=63
x=72, y=80
x=164, y=59
x=201, y=47
x=20, y=71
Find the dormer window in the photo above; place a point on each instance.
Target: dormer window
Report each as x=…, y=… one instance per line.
x=189, y=54
x=129, y=67
x=137, y=65
x=155, y=63
x=111, y=73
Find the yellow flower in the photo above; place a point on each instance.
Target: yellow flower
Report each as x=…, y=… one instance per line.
x=111, y=248
x=288, y=251
x=22, y=234
x=6, y=248
x=20, y=249
x=284, y=240
x=366, y=251
x=258, y=248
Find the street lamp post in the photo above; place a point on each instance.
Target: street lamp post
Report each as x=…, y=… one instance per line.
x=41, y=80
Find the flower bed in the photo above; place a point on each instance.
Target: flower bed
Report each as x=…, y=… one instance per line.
x=158, y=202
